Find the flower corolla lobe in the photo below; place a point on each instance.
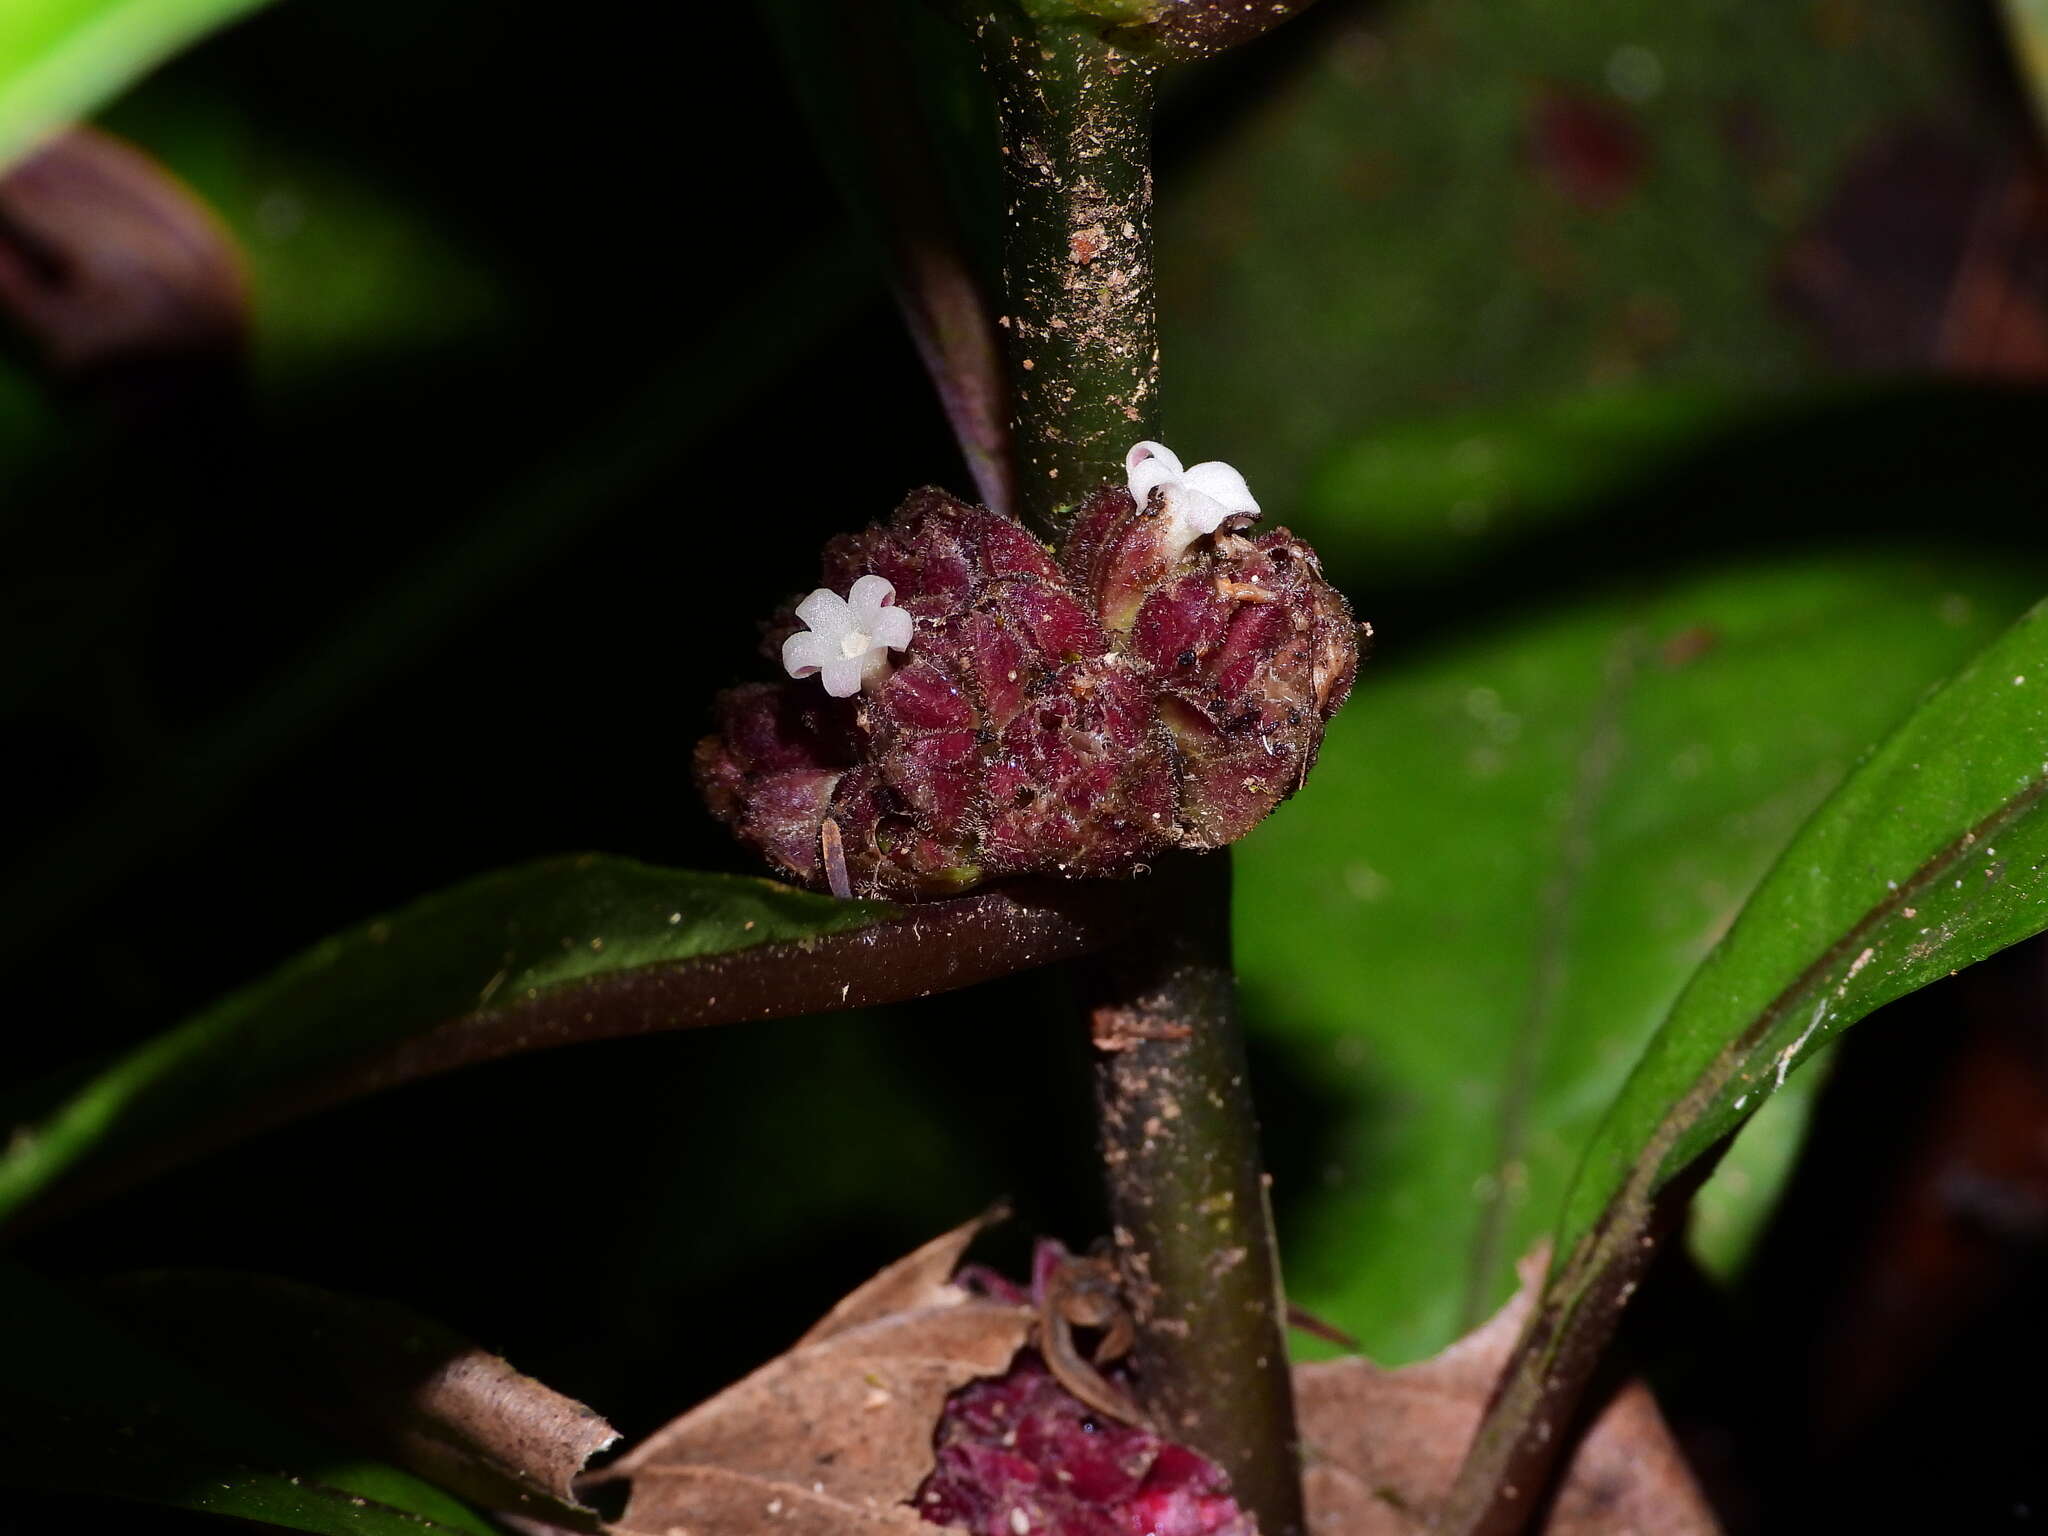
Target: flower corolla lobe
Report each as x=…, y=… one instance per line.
x=846, y=640
x=1195, y=501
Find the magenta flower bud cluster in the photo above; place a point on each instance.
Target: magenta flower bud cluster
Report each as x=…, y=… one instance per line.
x=1020, y=1452
x=1163, y=683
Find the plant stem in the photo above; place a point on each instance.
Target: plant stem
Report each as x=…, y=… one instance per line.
x=1190, y=1217
x=1534, y=1421
x=1180, y=1141
x=1180, y=1144
x=1082, y=344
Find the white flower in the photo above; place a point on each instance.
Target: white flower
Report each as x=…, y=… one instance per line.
x=848, y=639
x=1197, y=501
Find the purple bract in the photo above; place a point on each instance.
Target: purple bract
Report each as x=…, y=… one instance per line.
x=1020, y=1456
x=1073, y=716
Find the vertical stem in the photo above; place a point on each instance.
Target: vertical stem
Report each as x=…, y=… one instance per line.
x=1189, y=1211
x=1180, y=1144
x=1082, y=346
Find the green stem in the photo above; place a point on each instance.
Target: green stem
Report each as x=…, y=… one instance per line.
x=1180, y=1142
x=1190, y=1217
x=1078, y=326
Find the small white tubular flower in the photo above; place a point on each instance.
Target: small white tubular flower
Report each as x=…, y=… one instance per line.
x=1197, y=501
x=847, y=639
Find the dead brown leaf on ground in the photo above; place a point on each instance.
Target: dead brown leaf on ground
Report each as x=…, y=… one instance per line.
x=1382, y=1447
x=836, y=1435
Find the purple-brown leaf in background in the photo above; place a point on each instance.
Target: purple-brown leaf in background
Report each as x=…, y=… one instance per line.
x=1932, y=254
x=866, y=86
x=1589, y=150
x=120, y=277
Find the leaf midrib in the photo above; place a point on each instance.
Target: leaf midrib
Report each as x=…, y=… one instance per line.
x=1800, y=991
x=1624, y=1212
x=1593, y=772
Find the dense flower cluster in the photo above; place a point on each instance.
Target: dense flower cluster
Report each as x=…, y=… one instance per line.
x=1021, y=1456
x=990, y=710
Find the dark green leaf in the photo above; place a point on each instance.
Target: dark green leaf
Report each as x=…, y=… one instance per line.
x=1507, y=863
x=1515, y=498
x=61, y=58
x=1372, y=228
x=1932, y=855
x=486, y=948
x=571, y=950
x=85, y=1407
x=1420, y=495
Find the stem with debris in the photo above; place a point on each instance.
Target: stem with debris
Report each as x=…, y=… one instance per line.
x=1083, y=352
x=1187, y=1197
x=1190, y=1218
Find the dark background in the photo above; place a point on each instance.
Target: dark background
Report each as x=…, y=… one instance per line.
x=565, y=356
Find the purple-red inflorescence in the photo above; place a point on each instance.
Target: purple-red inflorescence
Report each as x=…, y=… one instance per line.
x=1018, y=1453
x=1072, y=716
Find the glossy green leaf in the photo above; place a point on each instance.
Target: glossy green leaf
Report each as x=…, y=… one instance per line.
x=503, y=941
x=1730, y=1212
x=1931, y=856
x=59, y=59
x=86, y=1407
x=1509, y=859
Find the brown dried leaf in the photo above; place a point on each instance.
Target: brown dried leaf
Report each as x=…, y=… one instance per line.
x=714, y=1502
x=835, y=1435
x=1932, y=253
x=920, y=1279
x=380, y=1377
x=1382, y=1447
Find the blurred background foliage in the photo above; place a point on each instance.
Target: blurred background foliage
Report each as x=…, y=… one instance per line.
x=1662, y=381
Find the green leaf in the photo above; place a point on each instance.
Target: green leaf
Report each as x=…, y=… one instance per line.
x=509, y=940
x=59, y=59
x=1731, y=1209
x=1542, y=489
x=1120, y=11
x=86, y=1407
x=1431, y=489
x=1509, y=859
x=1932, y=855
x=1373, y=233
x=2026, y=22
